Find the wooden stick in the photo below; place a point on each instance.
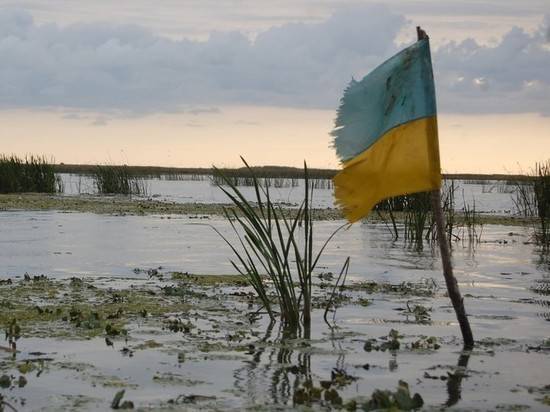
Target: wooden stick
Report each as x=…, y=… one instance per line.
x=450, y=280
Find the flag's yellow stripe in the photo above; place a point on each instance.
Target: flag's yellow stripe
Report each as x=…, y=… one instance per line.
x=404, y=160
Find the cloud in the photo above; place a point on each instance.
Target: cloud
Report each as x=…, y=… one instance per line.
x=512, y=76
x=100, y=121
x=128, y=69
x=204, y=110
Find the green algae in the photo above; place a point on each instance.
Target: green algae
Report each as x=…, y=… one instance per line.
x=210, y=280
x=426, y=288
x=78, y=309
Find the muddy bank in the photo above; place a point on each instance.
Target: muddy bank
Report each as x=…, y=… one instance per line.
x=121, y=205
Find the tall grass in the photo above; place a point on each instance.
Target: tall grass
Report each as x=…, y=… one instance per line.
x=246, y=179
x=411, y=217
x=532, y=199
x=118, y=180
x=275, y=245
x=29, y=174
x=473, y=226
x=524, y=198
x=541, y=188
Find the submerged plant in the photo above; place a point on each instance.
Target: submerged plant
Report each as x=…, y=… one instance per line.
x=275, y=245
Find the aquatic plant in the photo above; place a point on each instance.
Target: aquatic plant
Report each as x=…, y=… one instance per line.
x=276, y=245
x=415, y=213
x=117, y=401
x=524, y=198
x=332, y=298
x=28, y=174
x=118, y=180
x=541, y=188
x=473, y=226
x=400, y=400
x=532, y=199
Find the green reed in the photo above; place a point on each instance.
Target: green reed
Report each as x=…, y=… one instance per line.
x=414, y=211
x=473, y=225
x=274, y=245
x=28, y=174
x=118, y=180
x=541, y=188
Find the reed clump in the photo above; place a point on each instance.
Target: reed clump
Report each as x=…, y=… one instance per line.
x=473, y=225
x=532, y=199
x=524, y=198
x=541, y=189
x=28, y=174
x=118, y=180
x=275, y=247
x=410, y=216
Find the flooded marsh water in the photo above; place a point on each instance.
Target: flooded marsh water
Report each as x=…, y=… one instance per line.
x=491, y=196
x=110, y=315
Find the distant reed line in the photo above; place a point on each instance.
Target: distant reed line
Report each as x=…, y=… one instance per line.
x=264, y=172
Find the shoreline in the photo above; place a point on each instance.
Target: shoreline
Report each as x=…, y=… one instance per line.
x=123, y=205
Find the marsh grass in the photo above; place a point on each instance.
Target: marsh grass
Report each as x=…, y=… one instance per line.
x=532, y=199
x=244, y=179
x=29, y=174
x=414, y=211
x=524, y=198
x=118, y=180
x=541, y=189
x=273, y=244
x=473, y=225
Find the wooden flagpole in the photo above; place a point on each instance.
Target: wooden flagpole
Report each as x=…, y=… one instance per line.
x=450, y=280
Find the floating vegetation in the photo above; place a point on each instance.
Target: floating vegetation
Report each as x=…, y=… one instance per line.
x=390, y=342
x=425, y=288
x=421, y=313
x=29, y=174
x=400, y=400
x=209, y=354
x=118, y=180
x=425, y=343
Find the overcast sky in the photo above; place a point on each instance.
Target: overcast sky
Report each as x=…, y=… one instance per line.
x=72, y=73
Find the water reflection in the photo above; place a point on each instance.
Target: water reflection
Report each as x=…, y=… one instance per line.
x=454, y=382
x=280, y=364
x=542, y=259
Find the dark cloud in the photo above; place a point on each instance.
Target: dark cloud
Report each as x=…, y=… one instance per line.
x=126, y=69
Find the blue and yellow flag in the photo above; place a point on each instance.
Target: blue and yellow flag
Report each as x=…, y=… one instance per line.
x=386, y=133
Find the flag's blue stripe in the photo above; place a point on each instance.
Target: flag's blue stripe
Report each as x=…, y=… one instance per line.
x=398, y=91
